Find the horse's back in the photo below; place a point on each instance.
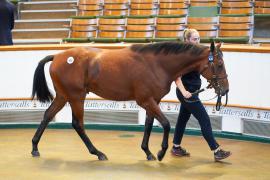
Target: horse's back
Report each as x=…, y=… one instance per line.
x=119, y=74
x=112, y=74
x=92, y=69
x=123, y=74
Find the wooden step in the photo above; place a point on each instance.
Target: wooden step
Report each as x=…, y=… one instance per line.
x=41, y=23
x=40, y=33
x=47, y=14
x=48, y=0
x=37, y=41
x=48, y=5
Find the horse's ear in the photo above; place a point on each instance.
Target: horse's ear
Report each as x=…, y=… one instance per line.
x=212, y=47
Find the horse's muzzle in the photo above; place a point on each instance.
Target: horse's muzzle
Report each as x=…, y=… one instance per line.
x=225, y=92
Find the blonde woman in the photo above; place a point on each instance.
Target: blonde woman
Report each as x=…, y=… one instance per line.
x=187, y=84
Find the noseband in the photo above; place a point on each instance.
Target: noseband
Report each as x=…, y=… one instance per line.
x=214, y=82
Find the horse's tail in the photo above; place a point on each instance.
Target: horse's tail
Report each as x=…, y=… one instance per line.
x=40, y=87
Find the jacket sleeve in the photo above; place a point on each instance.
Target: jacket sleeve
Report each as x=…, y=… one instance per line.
x=12, y=18
x=10, y=14
x=12, y=21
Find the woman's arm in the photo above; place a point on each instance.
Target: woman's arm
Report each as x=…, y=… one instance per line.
x=181, y=87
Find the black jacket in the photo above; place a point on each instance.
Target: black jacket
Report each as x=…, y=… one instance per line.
x=192, y=81
x=6, y=22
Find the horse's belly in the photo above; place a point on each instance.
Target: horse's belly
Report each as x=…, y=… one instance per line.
x=112, y=91
x=113, y=95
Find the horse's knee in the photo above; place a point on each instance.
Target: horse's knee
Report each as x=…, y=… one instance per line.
x=166, y=126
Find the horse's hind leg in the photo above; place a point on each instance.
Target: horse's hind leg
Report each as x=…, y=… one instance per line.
x=56, y=106
x=147, y=131
x=77, y=123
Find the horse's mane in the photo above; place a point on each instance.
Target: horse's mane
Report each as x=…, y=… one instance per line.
x=169, y=48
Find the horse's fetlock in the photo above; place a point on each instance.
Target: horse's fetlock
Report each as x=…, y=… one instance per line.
x=144, y=147
x=95, y=152
x=34, y=141
x=164, y=146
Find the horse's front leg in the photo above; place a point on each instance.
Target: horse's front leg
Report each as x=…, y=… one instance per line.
x=166, y=128
x=147, y=131
x=152, y=108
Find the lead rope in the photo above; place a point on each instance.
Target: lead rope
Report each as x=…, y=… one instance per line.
x=199, y=91
x=204, y=100
x=218, y=104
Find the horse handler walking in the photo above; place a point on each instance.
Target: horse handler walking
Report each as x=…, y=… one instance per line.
x=187, y=84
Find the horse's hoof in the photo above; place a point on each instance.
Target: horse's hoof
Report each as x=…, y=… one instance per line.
x=151, y=157
x=35, y=153
x=160, y=155
x=102, y=157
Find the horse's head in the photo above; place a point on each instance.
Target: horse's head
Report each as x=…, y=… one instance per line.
x=215, y=71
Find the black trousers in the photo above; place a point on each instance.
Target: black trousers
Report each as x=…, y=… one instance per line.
x=198, y=111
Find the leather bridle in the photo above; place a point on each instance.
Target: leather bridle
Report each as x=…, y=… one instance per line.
x=215, y=79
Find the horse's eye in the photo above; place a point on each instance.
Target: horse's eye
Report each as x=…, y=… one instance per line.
x=220, y=63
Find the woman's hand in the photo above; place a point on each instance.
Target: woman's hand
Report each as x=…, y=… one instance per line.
x=186, y=94
x=181, y=87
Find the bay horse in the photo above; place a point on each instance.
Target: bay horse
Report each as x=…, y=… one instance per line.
x=143, y=73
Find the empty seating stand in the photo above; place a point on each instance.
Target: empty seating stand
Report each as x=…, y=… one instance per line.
x=262, y=7
x=90, y=8
x=42, y=22
x=207, y=27
x=170, y=28
x=261, y=21
x=116, y=8
x=203, y=2
x=173, y=7
x=203, y=9
x=140, y=29
x=236, y=7
x=82, y=28
x=236, y=21
x=111, y=29
x=235, y=29
x=230, y=21
x=203, y=17
x=143, y=7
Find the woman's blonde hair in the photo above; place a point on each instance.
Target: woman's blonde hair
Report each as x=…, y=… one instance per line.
x=188, y=32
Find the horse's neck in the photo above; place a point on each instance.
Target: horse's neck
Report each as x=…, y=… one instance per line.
x=178, y=65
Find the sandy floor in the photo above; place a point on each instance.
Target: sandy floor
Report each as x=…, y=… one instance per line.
x=64, y=156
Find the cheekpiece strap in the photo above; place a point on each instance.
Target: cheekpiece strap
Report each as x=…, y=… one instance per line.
x=211, y=57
